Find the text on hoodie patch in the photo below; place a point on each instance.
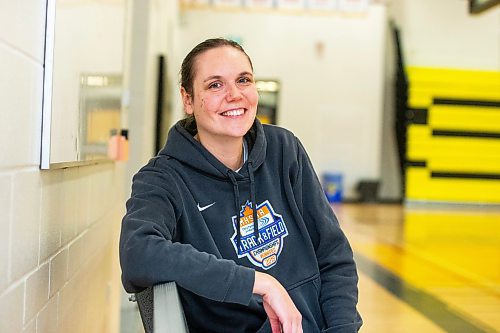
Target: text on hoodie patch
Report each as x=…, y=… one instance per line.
x=265, y=250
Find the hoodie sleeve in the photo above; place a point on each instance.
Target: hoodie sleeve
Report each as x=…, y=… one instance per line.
x=339, y=291
x=148, y=255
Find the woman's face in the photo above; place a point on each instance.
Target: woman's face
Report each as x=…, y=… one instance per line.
x=225, y=98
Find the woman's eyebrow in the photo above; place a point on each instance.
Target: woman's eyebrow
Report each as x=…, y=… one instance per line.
x=212, y=77
x=246, y=73
x=218, y=77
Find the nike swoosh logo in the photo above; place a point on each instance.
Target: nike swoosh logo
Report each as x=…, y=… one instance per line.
x=204, y=207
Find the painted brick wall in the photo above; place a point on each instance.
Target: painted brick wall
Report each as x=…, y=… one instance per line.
x=58, y=229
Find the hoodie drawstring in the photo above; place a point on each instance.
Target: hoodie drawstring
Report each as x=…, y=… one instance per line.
x=237, y=205
x=254, y=203
x=238, y=208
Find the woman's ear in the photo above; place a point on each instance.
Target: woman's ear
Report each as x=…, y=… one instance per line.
x=187, y=101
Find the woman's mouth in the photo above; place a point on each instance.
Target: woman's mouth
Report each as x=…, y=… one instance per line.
x=233, y=113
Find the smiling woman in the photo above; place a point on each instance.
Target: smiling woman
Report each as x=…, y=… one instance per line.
x=233, y=212
x=223, y=100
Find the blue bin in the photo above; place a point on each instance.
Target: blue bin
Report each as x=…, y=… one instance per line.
x=332, y=185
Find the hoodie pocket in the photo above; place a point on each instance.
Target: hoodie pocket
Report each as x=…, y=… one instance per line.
x=305, y=296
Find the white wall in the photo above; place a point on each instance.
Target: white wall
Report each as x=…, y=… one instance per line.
x=443, y=34
x=331, y=101
x=58, y=228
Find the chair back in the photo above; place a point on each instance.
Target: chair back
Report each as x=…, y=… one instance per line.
x=161, y=309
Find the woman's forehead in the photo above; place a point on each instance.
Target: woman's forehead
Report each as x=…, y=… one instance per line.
x=221, y=61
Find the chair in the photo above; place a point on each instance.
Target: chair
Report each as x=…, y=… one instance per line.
x=161, y=309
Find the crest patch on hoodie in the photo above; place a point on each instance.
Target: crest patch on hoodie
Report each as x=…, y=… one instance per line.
x=265, y=250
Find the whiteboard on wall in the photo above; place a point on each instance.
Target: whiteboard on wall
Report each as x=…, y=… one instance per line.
x=83, y=66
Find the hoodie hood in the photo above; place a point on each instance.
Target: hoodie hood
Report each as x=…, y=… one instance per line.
x=182, y=146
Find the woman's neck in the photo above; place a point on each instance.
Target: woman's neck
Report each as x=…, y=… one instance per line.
x=228, y=151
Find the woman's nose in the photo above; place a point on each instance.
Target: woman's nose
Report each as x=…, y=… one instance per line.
x=233, y=92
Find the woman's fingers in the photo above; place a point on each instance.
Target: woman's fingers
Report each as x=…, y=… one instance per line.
x=273, y=318
x=294, y=325
x=285, y=311
x=275, y=326
x=289, y=316
x=298, y=326
x=282, y=312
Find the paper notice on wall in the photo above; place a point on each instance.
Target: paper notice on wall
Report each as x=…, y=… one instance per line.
x=259, y=3
x=353, y=5
x=323, y=4
x=291, y=4
x=227, y=3
x=194, y=2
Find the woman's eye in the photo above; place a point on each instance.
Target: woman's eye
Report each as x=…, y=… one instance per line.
x=214, y=85
x=244, y=80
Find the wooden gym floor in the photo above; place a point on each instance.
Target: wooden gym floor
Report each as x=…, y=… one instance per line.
x=426, y=269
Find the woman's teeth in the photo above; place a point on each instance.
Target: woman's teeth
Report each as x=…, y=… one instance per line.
x=233, y=113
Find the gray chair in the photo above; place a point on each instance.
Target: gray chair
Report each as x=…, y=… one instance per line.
x=161, y=309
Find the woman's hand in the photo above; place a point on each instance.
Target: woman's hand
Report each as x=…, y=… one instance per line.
x=283, y=315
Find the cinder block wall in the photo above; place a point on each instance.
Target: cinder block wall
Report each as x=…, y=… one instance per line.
x=58, y=229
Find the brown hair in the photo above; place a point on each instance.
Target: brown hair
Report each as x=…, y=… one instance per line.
x=187, y=72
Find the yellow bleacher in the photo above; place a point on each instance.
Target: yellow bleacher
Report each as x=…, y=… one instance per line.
x=454, y=156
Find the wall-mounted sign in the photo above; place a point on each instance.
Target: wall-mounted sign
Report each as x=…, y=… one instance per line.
x=259, y=3
x=323, y=4
x=291, y=4
x=227, y=3
x=353, y=5
x=194, y=2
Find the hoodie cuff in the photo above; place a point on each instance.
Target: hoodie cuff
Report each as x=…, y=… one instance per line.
x=240, y=289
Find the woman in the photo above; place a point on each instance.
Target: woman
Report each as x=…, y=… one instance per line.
x=283, y=267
